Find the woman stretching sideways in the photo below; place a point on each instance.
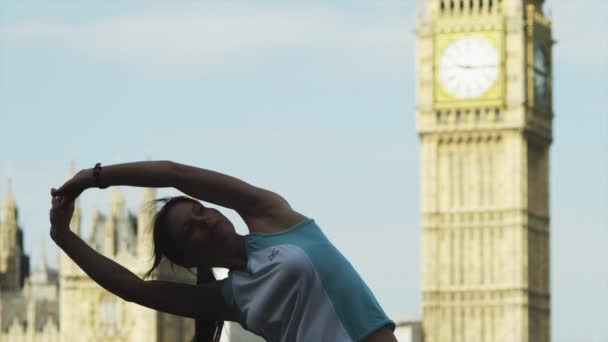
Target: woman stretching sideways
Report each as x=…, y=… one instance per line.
x=286, y=280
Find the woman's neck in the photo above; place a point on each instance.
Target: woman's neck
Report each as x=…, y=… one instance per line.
x=240, y=257
x=236, y=254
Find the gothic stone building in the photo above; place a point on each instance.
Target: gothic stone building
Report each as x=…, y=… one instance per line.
x=66, y=305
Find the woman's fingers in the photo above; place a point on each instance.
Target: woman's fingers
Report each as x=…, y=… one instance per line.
x=61, y=190
x=61, y=204
x=57, y=202
x=56, y=213
x=53, y=215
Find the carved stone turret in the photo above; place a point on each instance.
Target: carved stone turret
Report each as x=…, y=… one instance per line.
x=117, y=210
x=10, y=249
x=66, y=265
x=147, y=209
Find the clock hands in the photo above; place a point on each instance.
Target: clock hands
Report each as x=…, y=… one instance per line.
x=468, y=67
x=471, y=66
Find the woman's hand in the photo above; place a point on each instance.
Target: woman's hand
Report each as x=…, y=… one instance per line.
x=60, y=217
x=71, y=189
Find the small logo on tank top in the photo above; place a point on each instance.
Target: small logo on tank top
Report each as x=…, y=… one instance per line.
x=273, y=254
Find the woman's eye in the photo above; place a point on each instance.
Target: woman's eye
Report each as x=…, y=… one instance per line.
x=196, y=210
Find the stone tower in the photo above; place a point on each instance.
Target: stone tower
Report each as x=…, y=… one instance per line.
x=484, y=118
x=144, y=231
x=66, y=266
x=10, y=246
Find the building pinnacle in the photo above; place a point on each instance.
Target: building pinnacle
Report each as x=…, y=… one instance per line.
x=9, y=197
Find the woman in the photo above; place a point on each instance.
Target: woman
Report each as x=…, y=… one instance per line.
x=287, y=282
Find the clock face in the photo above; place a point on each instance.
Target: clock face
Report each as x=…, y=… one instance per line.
x=541, y=72
x=468, y=67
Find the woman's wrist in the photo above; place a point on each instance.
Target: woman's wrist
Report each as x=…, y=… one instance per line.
x=97, y=176
x=88, y=179
x=59, y=235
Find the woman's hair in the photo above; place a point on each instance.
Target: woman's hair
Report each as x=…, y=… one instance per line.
x=165, y=245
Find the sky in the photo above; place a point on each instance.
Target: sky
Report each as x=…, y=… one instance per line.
x=314, y=100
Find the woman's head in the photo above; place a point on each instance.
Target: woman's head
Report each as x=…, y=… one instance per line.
x=188, y=233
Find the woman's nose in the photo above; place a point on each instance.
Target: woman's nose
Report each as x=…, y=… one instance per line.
x=206, y=220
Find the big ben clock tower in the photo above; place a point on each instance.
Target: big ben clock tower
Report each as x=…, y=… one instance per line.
x=484, y=117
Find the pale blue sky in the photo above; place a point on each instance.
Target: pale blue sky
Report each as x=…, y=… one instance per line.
x=311, y=99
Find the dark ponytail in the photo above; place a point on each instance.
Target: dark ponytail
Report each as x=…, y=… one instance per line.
x=206, y=331
x=164, y=245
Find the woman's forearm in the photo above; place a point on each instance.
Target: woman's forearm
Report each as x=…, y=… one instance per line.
x=206, y=185
x=150, y=174
x=104, y=271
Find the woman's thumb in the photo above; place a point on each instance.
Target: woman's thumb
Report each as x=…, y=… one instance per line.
x=57, y=192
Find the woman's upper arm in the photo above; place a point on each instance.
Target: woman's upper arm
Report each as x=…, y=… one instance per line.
x=203, y=301
x=224, y=190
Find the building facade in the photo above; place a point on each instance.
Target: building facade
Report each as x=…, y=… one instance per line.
x=66, y=305
x=484, y=118
x=14, y=263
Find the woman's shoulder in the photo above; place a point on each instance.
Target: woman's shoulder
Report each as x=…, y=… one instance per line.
x=274, y=221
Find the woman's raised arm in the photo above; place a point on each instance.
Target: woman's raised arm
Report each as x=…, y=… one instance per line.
x=104, y=271
x=151, y=174
x=227, y=191
x=206, y=185
x=203, y=301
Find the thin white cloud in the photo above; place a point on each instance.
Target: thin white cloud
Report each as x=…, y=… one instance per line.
x=202, y=36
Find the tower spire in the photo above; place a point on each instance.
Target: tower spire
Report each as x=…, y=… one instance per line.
x=66, y=265
x=9, y=258
x=42, y=262
x=117, y=201
x=76, y=217
x=145, y=216
x=9, y=196
x=9, y=205
x=117, y=212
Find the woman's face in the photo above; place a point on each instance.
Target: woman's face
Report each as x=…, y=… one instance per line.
x=199, y=232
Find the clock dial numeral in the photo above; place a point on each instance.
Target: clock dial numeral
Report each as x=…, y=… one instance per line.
x=468, y=67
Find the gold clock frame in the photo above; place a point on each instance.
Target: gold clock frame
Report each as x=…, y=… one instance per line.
x=493, y=97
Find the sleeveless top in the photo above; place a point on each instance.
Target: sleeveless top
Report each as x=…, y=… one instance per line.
x=300, y=288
